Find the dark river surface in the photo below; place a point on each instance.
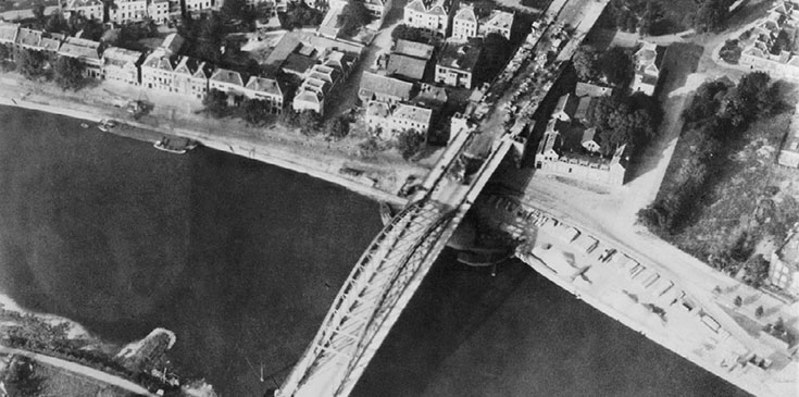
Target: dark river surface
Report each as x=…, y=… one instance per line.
x=242, y=259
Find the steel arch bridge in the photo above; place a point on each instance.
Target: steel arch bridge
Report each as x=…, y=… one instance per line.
x=371, y=300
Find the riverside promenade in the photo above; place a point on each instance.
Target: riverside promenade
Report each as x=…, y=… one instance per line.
x=322, y=166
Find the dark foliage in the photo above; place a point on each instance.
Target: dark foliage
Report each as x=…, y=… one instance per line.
x=354, y=16
x=338, y=128
x=409, y=143
x=298, y=14
x=616, y=64
x=404, y=32
x=309, y=122
x=216, y=103
x=31, y=64
x=719, y=114
x=69, y=73
x=712, y=15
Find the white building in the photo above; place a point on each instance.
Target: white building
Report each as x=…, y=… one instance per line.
x=433, y=15
x=648, y=59
x=393, y=119
x=159, y=11
x=122, y=65
x=89, y=9
x=128, y=11
x=466, y=24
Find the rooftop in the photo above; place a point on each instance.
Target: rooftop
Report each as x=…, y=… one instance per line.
x=414, y=49
x=413, y=113
x=264, y=84
x=8, y=32
x=461, y=56
x=588, y=89
x=227, y=76
x=29, y=37
x=499, y=20
x=403, y=65
x=173, y=42
x=373, y=83
x=80, y=48
x=121, y=56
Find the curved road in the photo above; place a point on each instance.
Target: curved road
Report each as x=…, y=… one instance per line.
x=82, y=370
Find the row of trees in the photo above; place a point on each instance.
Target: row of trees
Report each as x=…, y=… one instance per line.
x=257, y=113
x=67, y=72
x=717, y=116
x=649, y=17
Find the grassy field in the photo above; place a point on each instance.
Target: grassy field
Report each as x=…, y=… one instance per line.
x=752, y=201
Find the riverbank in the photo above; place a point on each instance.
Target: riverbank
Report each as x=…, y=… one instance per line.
x=75, y=331
x=382, y=186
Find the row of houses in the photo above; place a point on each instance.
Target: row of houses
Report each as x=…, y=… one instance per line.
x=160, y=11
x=761, y=50
x=162, y=70
x=451, y=18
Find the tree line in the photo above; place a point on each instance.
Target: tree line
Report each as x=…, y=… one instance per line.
x=648, y=17
x=67, y=72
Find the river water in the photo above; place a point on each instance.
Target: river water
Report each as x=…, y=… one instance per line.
x=242, y=259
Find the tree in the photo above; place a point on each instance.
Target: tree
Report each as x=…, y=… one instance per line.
x=738, y=301
x=38, y=14
x=706, y=101
x=309, y=122
x=256, y=111
x=69, y=73
x=233, y=9
x=651, y=16
x=756, y=271
x=338, y=128
x=759, y=312
x=711, y=15
x=616, y=65
x=586, y=62
x=23, y=381
x=215, y=103
x=496, y=50
x=31, y=64
x=6, y=58
x=410, y=33
x=353, y=16
x=409, y=142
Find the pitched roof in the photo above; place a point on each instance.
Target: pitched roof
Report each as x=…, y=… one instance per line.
x=120, y=56
x=297, y=63
x=567, y=104
x=416, y=5
x=159, y=60
x=466, y=13
x=227, y=76
x=414, y=49
x=372, y=83
x=80, y=48
x=173, y=42
x=309, y=96
x=499, y=20
x=187, y=65
x=589, y=135
x=593, y=90
x=403, y=65
x=264, y=84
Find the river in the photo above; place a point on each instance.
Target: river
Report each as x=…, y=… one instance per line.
x=242, y=259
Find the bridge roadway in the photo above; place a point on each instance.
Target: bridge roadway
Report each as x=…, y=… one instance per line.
x=391, y=269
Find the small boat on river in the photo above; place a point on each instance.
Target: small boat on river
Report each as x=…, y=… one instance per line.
x=175, y=145
x=84, y=125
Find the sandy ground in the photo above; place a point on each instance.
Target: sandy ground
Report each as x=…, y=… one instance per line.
x=177, y=115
